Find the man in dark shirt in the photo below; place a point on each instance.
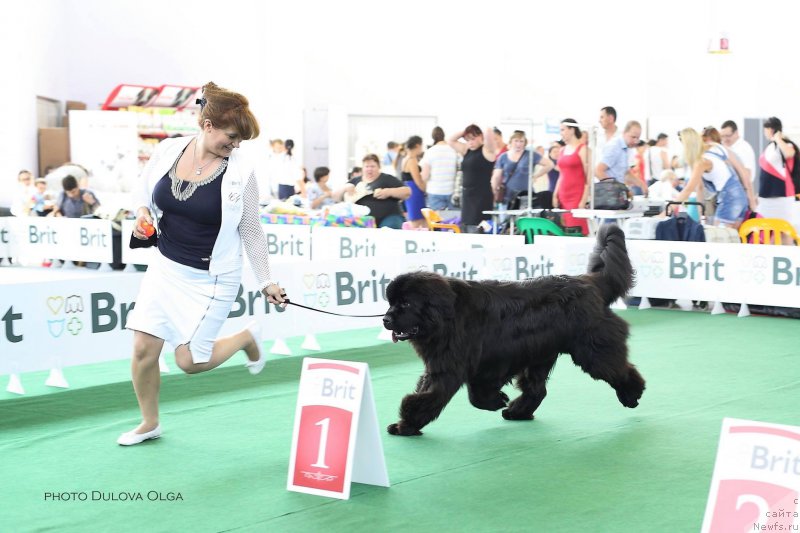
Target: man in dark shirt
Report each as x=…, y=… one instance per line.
x=74, y=202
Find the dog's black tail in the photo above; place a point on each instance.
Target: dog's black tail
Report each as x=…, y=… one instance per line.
x=610, y=260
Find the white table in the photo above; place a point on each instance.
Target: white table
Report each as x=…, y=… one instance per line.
x=513, y=214
x=594, y=215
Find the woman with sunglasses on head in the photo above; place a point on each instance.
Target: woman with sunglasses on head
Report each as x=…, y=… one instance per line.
x=203, y=197
x=479, y=153
x=709, y=168
x=711, y=136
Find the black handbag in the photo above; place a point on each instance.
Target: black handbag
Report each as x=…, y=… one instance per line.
x=500, y=193
x=152, y=240
x=610, y=194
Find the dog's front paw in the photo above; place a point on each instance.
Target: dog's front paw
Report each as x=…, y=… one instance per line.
x=627, y=400
x=402, y=429
x=498, y=402
x=630, y=392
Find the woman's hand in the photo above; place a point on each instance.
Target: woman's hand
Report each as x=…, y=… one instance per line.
x=275, y=294
x=144, y=226
x=555, y=202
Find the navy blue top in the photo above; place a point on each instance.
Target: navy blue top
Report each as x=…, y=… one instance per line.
x=189, y=229
x=515, y=175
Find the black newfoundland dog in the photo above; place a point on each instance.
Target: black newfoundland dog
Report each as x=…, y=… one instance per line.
x=486, y=333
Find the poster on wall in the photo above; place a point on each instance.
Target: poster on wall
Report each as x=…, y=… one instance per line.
x=125, y=95
x=107, y=144
x=178, y=96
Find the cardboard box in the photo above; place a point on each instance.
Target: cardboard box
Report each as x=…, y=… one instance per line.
x=53, y=148
x=72, y=104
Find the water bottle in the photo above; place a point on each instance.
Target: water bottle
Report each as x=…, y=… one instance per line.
x=691, y=209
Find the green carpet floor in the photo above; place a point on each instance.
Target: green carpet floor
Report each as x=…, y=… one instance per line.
x=586, y=464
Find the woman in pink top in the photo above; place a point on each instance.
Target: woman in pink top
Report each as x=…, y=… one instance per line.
x=572, y=188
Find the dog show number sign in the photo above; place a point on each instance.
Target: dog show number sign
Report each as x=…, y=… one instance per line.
x=756, y=481
x=336, y=439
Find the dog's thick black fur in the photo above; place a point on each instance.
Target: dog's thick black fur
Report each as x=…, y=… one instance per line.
x=487, y=333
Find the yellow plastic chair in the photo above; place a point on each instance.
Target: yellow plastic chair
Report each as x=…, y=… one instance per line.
x=434, y=221
x=531, y=226
x=767, y=231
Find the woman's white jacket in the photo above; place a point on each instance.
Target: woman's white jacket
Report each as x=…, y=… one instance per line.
x=241, y=225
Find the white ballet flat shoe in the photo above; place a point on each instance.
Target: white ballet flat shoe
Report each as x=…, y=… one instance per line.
x=131, y=437
x=255, y=367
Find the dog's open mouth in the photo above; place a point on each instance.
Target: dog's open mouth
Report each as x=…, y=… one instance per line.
x=404, y=335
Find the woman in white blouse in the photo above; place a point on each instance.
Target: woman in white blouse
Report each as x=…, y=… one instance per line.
x=203, y=198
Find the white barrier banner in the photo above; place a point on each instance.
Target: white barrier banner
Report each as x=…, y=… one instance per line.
x=90, y=240
x=5, y=238
x=72, y=318
x=346, y=287
x=77, y=239
x=55, y=318
x=62, y=319
x=362, y=243
x=516, y=263
x=285, y=243
x=288, y=242
x=714, y=272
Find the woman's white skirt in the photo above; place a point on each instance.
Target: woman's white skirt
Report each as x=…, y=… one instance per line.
x=184, y=305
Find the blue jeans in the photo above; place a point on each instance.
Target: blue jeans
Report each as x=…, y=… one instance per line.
x=392, y=221
x=441, y=202
x=731, y=203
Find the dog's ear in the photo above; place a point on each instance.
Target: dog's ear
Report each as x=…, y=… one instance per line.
x=391, y=290
x=442, y=298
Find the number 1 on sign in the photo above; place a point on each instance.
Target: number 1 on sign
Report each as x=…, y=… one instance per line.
x=323, y=443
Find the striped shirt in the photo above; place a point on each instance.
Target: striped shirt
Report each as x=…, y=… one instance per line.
x=443, y=161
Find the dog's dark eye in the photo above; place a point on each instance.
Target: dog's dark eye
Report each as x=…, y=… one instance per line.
x=404, y=305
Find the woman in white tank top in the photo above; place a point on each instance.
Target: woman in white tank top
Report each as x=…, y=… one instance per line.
x=709, y=166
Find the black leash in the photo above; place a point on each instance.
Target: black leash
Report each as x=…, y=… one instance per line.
x=288, y=301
